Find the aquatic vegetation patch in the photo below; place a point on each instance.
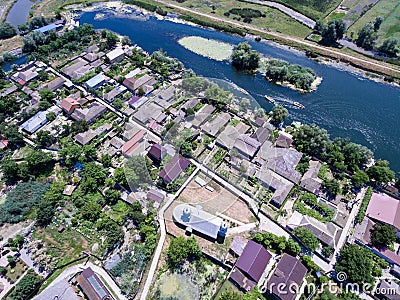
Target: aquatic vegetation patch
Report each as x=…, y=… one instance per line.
x=208, y=48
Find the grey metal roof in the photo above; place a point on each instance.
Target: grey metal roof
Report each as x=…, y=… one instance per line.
x=212, y=127
x=198, y=220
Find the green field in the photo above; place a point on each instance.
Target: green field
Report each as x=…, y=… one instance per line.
x=387, y=9
x=274, y=20
x=391, y=25
x=315, y=9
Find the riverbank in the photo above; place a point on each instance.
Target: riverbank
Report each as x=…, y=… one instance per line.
x=386, y=73
x=355, y=59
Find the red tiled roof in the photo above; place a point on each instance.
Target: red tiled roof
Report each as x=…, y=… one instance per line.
x=3, y=144
x=130, y=145
x=69, y=104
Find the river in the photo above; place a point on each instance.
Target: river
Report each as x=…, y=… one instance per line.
x=346, y=104
x=19, y=13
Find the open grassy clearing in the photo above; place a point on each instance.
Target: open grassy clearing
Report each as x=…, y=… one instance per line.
x=16, y=272
x=315, y=9
x=384, y=8
x=65, y=246
x=274, y=20
x=10, y=44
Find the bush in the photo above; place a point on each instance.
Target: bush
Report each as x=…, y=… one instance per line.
x=315, y=209
x=364, y=205
x=282, y=71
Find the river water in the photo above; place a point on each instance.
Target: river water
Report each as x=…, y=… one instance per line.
x=345, y=104
x=19, y=13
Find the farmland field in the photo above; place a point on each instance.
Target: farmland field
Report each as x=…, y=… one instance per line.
x=391, y=25
x=315, y=9
x=386, y=9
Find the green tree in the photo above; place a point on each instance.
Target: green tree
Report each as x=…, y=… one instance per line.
x=327, y=251
x=51, y=116
x=46, y=94
x=292, y=247
x=7, y=30
x=377, y=23
x=79, y=126
x=278, y=115
x=390, y=47
x=119, y=176
x=112, y=196
x=381, y=174
x=244, y=57
x=360, y=178
x=357, y=263
x=383, y=235
x=332, y=32
x=137, y=171
x=332, y=186
x=367, y=37
x=105, y=160
x=181, y=249
x=93, y=177
x=90, y=211
x=259, y=112
x=311, y=139
x=307, y=237
x=44, y=138
x=10, y=171
x=3, y=270
x=230, y=296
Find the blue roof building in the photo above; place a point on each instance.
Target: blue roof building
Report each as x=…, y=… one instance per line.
x=95, y=81
x=34, y=123
x=47, y=28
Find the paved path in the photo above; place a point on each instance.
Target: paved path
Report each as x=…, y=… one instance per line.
x=288, y=11
x=371, y=63
x=349, y=223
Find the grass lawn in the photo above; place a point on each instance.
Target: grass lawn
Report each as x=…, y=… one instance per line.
x=335, y=16
x=226, y=287
x=117, y=211
x=387, y=10
x=15, y=273
x=274, y=20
